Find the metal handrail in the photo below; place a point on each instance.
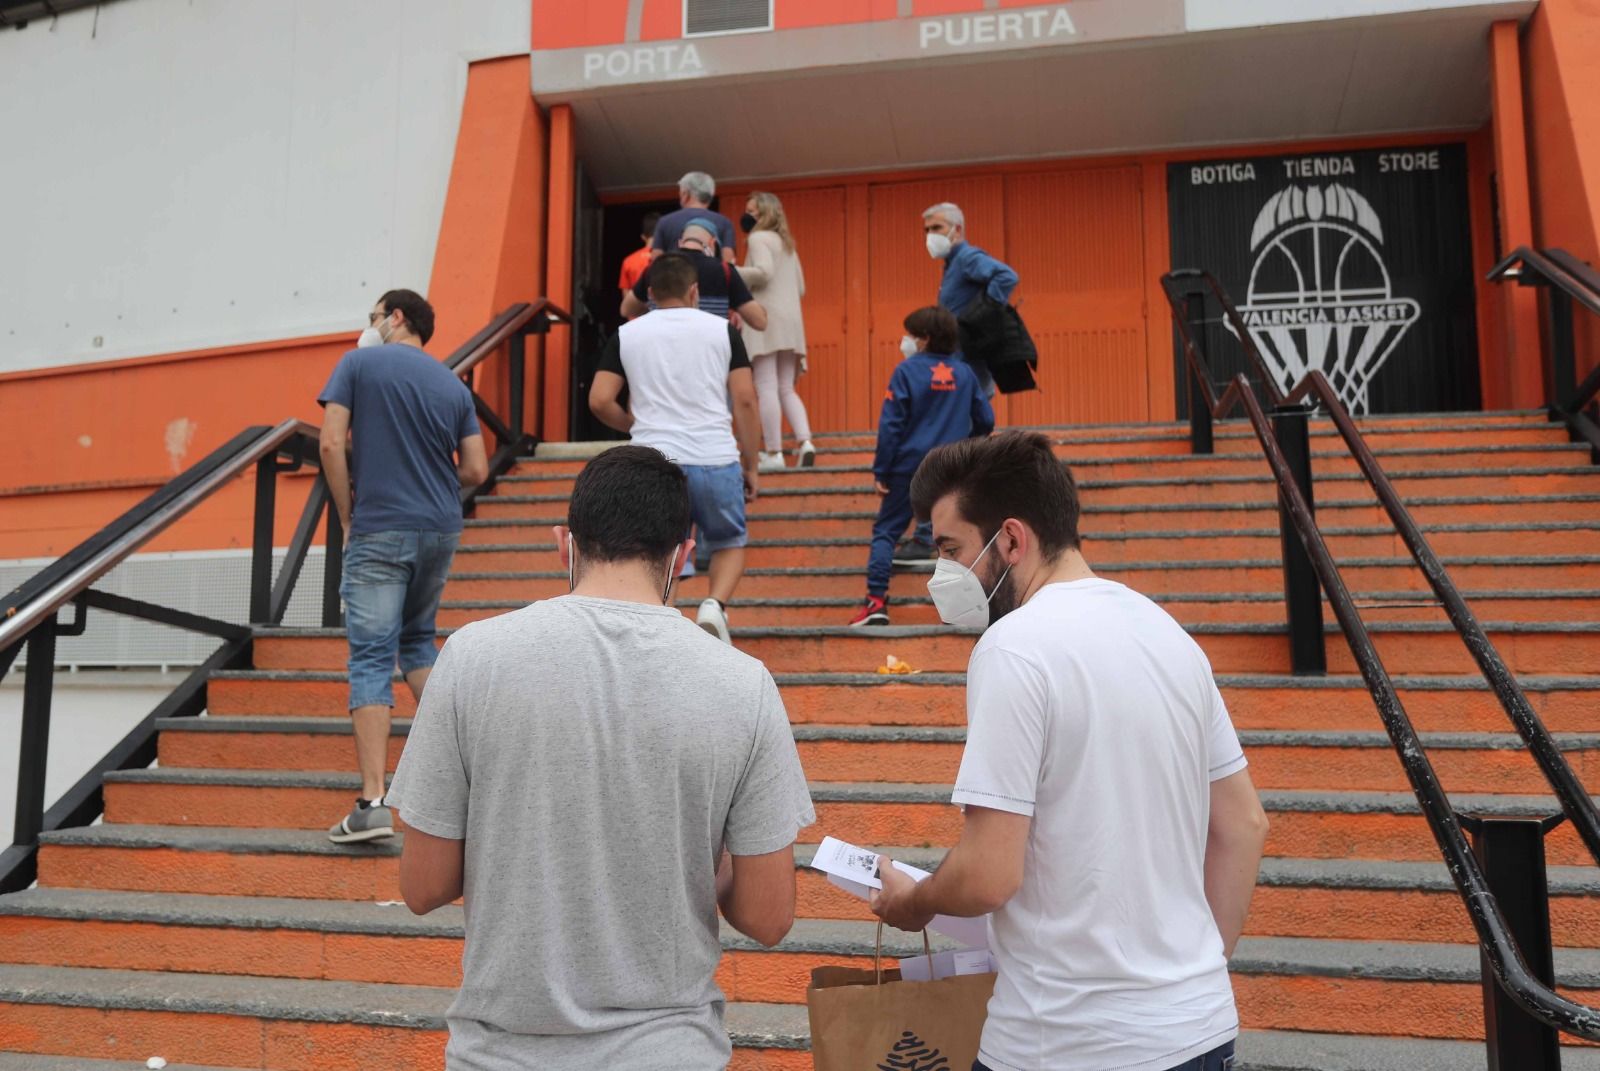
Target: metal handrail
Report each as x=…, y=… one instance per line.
x=1567, y=282
x=1502, y=952
x=60, y=583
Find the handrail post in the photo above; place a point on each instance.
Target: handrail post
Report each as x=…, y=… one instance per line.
x=519, y=369
x=1511, y=853
x=38, y=688
x=1563, y=356
x=1201, y=439
x=261, y=540
x=1302, y=594
x=333, y=569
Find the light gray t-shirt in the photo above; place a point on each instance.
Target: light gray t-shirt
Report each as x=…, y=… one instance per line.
x=596, y=756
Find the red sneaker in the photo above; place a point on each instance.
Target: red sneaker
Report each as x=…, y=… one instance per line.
x=874, y=611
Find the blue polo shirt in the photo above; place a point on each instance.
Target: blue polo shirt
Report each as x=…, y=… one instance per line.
x=968, y=272
x=408, y=414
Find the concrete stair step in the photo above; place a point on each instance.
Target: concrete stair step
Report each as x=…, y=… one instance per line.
x=1095, y=463
x=1262, y=607
x=1359, y=761
x=1186, y=575
x=490, y=550
x=1538, y=647
x=533, y=524
x=825, y=490
x=23, y=1061
x=1313, y=823
x=287, y=1024
x=1255, y=701
x=345, y=941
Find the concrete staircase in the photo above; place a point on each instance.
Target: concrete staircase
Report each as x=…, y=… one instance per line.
x=208, y=920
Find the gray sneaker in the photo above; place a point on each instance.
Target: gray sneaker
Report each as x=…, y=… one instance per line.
x=366, y=821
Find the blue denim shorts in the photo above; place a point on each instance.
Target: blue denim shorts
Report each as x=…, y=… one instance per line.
x=716, y=505
x=391, y=587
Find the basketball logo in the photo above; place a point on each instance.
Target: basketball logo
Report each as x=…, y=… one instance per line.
x=1319, y=294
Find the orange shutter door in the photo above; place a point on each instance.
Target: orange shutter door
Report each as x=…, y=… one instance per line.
x=816, y=219
x=1076, y=240
x=902, y=276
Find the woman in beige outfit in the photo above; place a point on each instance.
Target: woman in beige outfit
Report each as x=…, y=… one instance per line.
x=777, y=354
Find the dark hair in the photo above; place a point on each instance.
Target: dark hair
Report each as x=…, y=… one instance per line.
x=647, y=225
x=938, y=327
x=415, y=308
x=1012, y=474
x=671, y=276
x=629, y=504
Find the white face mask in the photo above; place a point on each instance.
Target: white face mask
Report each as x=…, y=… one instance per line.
x=958, y=594
x=938, y=246
x=370, y=336
x=908, y=346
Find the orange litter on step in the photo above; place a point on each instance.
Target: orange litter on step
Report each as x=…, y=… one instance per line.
x=893, y=665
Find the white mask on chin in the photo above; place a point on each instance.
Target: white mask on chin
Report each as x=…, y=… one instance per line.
x=958, y=594
x=939, y=246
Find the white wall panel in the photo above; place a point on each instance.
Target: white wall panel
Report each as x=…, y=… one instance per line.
x=193, y=173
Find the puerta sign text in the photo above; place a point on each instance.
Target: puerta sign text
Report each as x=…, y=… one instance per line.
x=1355, y=263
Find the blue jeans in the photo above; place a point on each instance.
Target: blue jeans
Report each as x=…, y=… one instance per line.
x=716, y=505
x=894, y=513
x=1218, y=1059
x=391, y=587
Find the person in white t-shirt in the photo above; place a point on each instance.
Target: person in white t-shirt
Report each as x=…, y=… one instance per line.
x=682, y=368
x=1110, y=824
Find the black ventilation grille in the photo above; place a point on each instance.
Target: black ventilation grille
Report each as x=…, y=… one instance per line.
x=725, y=16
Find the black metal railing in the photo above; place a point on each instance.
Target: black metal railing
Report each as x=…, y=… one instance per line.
x=1505, y=864
x=31, y=615
x=1567, y=282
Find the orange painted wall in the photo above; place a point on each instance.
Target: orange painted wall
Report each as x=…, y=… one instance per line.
x=598, y=23
x=1561, y=77
x=562, y=218
x=1517, y=382
x=100, y=437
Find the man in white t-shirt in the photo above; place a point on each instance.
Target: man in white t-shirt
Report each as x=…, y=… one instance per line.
x=682, y=367
x=1111, y=826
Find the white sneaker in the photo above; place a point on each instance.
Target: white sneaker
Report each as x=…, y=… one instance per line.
x=807, y=454
x=713, y=619
x=772, y=462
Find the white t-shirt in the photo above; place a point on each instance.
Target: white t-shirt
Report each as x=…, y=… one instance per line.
x=1091, y=709
x=676, y=363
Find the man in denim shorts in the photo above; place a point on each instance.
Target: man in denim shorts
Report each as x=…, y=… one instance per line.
x=682, y=367
x=416, y=444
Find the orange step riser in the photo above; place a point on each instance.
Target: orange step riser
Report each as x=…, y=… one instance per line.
x=1220, y=579
x=862, y=651
x=1190, y=613
x=753, y=977
x=1306, y=834
x=1186, y=488
x=537, y=520
x=1105, y=551
x=235, y=1040
x=937, y=762
x=1123, y=464
x=928, y=705
x=1313, y=912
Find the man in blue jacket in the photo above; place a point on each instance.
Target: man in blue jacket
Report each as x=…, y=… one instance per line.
x=933, y=398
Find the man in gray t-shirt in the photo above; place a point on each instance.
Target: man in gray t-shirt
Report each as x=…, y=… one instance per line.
x=597, y=776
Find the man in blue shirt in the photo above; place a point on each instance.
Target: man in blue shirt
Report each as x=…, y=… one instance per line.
x=933, y=399
x=968, y=270
x=398, y=493
x=695, y=191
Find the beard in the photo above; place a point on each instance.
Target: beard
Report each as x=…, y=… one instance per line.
x=1006, y=596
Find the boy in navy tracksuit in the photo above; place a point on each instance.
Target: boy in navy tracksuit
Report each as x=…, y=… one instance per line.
x=933, y=399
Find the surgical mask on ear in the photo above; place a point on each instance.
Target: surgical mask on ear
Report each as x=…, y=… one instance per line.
x=958, y=594
x=938, y=246
x=572, y=562
x=908, y=346
x=370, y=336
x=672, y=574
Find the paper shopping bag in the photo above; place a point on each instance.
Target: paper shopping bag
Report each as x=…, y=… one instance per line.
x=872, y=1020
